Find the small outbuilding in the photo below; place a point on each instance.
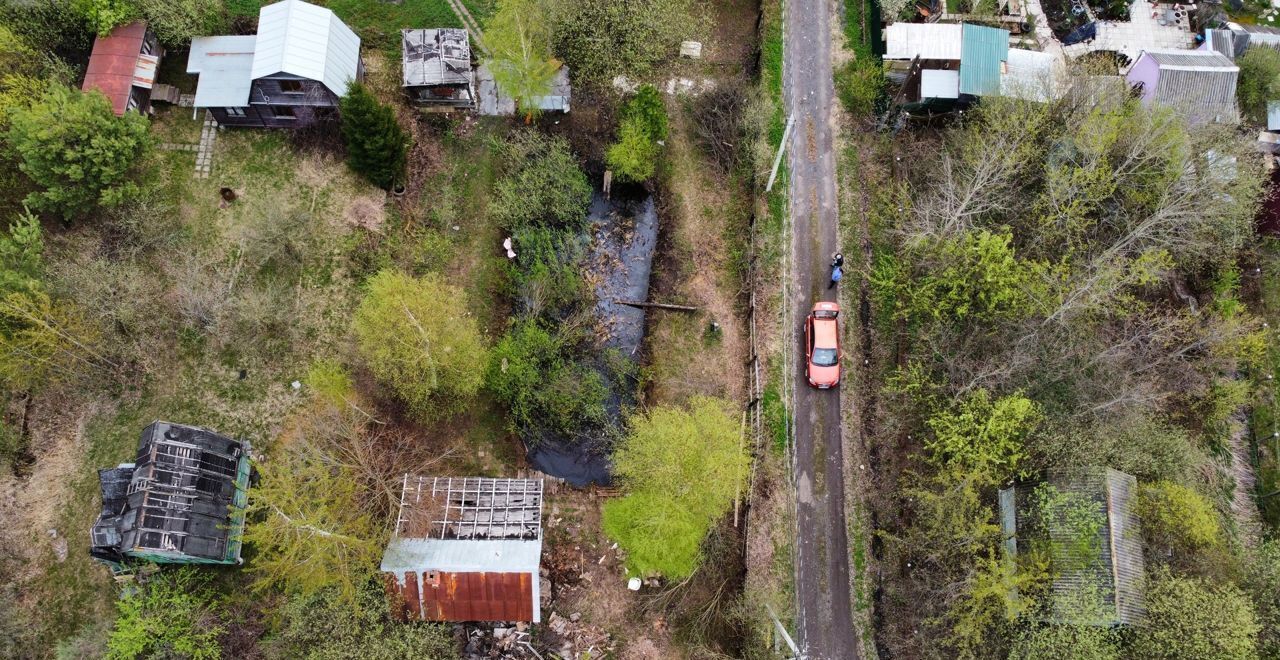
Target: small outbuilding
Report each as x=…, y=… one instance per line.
x=181, y=501
x=466, y=549
x=1114, y=573
x=123, y=67
x=437, y=67
x=1201, y=84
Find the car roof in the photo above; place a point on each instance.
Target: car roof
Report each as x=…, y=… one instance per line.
x=824, y=333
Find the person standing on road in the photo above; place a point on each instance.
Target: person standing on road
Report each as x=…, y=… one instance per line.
x=837, y=269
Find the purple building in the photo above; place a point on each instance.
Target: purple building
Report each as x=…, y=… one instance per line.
x=1200, y=84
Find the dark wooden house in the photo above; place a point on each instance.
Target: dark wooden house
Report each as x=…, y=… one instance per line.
x=291, y=74
x=123, y=67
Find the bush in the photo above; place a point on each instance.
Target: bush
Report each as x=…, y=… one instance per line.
x=325, y=626
x=77, y=174
x=418, y=338
x=1064, y=642
x=859, y=84
x=531, y=371
x=984, y=437
x=1262, y=582
x=644, y=125
x=1259, y=82
x=1177, y=519
x=682, y=469
x=48, y=25
x=176, y=22
x=171, y=615
x=545, y=275
x=104, y=15
x=376, y=145
x=540, y=185
x=1190, y=618
x=634, y=157
x=600, y=39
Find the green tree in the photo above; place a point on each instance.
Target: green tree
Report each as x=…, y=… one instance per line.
x=984, y=437
x=176, y=22
x=310, y=527
x=1259, y=82
x=376, y=145
x=682, y=469
x=73, y=146
x=1064, y=642
x=540, y=185
x=648, y=109
x=419, y=338
x=600, y=39
x=1191, y=618
x=1261, y=579
x=519, y=41
x=172, y=615
x=325, y=626
x=22, y=256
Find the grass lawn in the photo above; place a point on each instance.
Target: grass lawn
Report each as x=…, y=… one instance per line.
x=379, y=23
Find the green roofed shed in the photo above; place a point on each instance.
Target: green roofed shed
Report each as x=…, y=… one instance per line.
x=983, y=54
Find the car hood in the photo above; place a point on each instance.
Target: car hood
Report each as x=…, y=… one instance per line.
x=820, y=374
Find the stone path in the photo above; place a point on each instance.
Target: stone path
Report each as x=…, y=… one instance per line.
x=204, y=153
x=1141, y=32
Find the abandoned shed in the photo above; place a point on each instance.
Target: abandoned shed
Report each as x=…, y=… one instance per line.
x=1201, y=84
x=467, y=549
x=181, y=501
x=123, y=67
x=437, y=67
x=1114, y=568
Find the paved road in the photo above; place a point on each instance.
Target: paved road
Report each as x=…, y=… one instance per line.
x=824, y=619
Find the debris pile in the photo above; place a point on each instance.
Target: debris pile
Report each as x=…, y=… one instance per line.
x=570, y=638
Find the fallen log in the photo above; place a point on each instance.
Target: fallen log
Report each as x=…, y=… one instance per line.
x=643, y=305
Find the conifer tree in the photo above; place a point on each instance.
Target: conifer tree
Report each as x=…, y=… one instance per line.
x=376, y=145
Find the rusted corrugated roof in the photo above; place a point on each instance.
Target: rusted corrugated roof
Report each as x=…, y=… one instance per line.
x=114, y=62
x=440, y=596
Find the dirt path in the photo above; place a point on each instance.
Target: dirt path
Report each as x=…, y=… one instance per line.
x=824, y=607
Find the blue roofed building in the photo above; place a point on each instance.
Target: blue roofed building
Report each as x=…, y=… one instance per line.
x=984, y=54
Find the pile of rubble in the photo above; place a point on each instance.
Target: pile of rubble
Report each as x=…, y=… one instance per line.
x=569, y=638
x=559, y=637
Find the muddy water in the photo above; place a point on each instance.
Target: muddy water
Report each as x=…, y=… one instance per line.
x=624, y=238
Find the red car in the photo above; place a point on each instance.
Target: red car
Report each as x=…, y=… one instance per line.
x=822, y=346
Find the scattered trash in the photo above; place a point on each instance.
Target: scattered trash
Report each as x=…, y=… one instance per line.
x=634, y=584
x=691, y=49
x=511, y=254
x=296, y=385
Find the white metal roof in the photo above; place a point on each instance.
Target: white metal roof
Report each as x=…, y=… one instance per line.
x=939, y=84
x=224, y=65
x=931, y=41
x=461, y=555
x=1191, y=60
x=1030, y=75
x=304, y=40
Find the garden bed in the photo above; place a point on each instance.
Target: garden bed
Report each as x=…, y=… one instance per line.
x=1066, y=16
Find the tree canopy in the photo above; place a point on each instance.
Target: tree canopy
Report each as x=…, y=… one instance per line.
x=519, y=41
x=81, y=155
x=171, y=615
x=376, y=145
x=1259, y=82
x=1190, y=618
x=682, y=469
x=540, y=185
x=419, y=339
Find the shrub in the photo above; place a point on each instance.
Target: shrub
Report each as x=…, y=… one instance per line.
x=376, y=145
x=171, y=615
x=983, y=437
x=1064, y=642
x=682, y=468
x=176, y=22
x=600, y=39
x=326, y=626
x=1190, y=618
x=540, y=185
x=1262, y=582
x=859, y=84
x=75, y=173
x=532, y=373
x=418, y=338
x=634, y=157
x=1177, y=518
x=47, y=25
x=1259, y=82
x=104, y=15
x=545, y=275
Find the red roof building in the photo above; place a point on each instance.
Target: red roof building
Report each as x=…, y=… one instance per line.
x=123, y=67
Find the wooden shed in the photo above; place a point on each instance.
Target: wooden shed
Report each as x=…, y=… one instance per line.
x=123, y=67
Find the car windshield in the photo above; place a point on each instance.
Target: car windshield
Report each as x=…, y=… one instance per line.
x=824, y=357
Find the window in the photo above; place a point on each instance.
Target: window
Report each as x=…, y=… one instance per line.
x=235, y=112
x=324, y=114
x=282, y=112
x=291, y=86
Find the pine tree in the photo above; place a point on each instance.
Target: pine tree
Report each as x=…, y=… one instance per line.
x=376, y=145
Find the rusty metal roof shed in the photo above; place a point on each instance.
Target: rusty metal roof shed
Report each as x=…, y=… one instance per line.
x=117, y=65
x=467, y=549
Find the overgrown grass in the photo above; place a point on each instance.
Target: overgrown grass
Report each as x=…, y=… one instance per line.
x=1265, y=420
x=379, y=23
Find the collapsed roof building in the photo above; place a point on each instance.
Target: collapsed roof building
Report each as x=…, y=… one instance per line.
x=467, y=549
x=181, y=501
x=437, y=67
